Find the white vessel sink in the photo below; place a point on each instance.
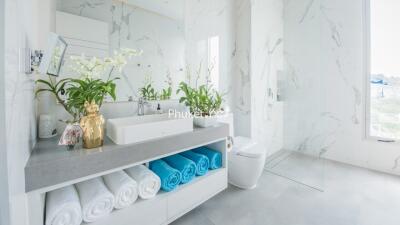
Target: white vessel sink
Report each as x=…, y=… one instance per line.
x=134, y=129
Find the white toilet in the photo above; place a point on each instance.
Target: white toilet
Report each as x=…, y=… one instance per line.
x=246, y=159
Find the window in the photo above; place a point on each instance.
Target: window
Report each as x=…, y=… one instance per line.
x=384, y=69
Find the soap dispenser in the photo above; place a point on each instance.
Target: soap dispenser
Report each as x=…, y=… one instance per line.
x=159, y=110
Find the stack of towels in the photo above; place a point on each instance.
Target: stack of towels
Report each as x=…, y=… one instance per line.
x=93, y=199
x=183, y=167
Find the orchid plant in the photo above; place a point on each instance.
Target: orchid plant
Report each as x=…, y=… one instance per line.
x=89, y=86
x=95, y=67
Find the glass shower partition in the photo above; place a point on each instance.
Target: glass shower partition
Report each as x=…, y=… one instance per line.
x=307, y=124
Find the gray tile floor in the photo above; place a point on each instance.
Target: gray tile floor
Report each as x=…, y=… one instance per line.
x=349, y=196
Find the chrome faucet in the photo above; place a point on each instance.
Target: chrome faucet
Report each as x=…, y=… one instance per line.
x=141, y=104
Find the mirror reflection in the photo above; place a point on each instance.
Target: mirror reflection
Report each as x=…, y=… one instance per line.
x=52, y=62
x=99, y=28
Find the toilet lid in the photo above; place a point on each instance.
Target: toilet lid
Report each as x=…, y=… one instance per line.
x=246, y=147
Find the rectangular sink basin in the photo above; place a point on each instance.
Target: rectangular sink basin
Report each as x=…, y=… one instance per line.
x=134, y=129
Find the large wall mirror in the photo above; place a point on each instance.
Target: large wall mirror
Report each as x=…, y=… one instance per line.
x=100, y=27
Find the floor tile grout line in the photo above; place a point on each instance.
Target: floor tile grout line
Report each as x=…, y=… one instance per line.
x=293, y=180
x=284, y=158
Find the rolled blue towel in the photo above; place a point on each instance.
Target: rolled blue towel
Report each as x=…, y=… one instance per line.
x=186, y=166
x=202, y=162
x=215, y=157
x=170, y=177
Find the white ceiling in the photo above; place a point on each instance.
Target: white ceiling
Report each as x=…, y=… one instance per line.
x=170, y=8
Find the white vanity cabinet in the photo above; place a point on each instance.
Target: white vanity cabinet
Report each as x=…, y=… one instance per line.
x=51, y=167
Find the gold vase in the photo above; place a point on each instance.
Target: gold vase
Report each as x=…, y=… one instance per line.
x=93, y=126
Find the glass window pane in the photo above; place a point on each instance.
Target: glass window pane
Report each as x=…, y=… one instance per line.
x=385, y=69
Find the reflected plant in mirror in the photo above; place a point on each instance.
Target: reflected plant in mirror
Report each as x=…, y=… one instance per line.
x=148, y=92
x=166, y=93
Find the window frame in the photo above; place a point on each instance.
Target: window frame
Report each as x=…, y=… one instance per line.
x=367, y=73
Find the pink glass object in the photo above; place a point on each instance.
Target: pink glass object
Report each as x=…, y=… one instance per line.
x=71, y=136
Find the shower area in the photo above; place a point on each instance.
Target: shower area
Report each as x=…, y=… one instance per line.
x=294, y=86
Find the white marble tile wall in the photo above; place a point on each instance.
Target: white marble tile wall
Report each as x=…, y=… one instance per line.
x=19, y=102
x=325, y=95
x=242, y=81
x=266, y=64
x=162, y=40
x=206, y=19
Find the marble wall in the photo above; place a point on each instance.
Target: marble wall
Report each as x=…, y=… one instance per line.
x=266, y=67
x=230, y=21
x=325, y=102
x=162, y=41
x=204, y=20
x=4, y=197
x=20, y=109
x=242, y=81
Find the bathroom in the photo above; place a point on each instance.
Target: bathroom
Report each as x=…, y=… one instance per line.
x=295, y=132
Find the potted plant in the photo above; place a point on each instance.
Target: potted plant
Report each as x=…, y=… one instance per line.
x=57, y=88
x=72, y=133
x=204, y=103
x=89, y=91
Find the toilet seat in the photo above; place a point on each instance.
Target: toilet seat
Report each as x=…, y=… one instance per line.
x=246, y=158
x=246, y=147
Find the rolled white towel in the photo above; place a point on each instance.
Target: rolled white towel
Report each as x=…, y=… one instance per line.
x=63, y=207
x=123, y=187
x=96, y=200
x=148, y=182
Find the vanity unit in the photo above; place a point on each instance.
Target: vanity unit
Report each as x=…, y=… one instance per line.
x=51, y=167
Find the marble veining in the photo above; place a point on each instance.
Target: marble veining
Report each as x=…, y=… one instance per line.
x=324, y=76
x=89, y=4
x=306, y=11
x=241, y=57
x=266, y=61
x=163, y=48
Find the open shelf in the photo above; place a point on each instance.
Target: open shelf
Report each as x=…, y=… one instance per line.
x=162, y=209
x=168, y=206
x=51, y=166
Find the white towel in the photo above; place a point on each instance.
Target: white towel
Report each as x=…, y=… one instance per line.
x=63, y=207
x=123, y=187
x=148, y=182
x=96, y=200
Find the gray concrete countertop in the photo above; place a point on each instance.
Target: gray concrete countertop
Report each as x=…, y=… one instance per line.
x=50, y=164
